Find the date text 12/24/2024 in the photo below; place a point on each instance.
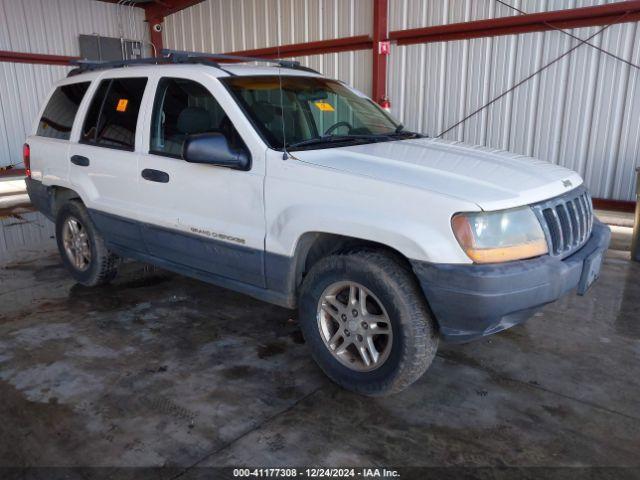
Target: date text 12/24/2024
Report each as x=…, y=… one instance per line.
x=315, y=473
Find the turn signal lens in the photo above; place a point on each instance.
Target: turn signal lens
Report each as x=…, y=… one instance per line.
x=502, y=236
x=26, y=159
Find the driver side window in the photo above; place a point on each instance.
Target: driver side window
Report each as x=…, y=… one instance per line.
x=181, y=108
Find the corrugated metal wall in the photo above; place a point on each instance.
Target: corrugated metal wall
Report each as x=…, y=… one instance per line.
x=231, y=25
x=223, y=26
x=23, y=88
x=583, y=112
x=405, y=14
x=48, y=27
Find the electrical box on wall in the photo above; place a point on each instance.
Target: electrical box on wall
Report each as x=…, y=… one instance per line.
x=96, y=47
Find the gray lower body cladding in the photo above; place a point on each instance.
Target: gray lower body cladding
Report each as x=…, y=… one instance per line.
x=262, y=275
x=468, y=301
x=472, y=301
x=267, y=277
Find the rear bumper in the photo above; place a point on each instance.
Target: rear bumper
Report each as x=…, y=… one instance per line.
x=472, y=301
x=40, y=196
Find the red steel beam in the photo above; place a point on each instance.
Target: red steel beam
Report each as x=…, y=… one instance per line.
x=615, y=205
x=39, y=58
x=619, y=12
x=155, y=35
x=163, y=8
x=380, y=28
x=346, y=44
x=579, y=17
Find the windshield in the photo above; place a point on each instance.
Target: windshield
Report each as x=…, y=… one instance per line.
x=311, y=112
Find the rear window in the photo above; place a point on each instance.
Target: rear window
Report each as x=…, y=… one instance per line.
x=58, y=116
x=113, y=113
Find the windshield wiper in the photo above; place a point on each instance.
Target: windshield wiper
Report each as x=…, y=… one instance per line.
x=401, y=131
x=335, y=139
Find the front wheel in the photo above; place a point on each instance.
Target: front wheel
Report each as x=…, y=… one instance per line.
x=82, y=248
x=366, y=322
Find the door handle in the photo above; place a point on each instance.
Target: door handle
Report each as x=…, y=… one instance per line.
x=80, y=161
x=155, y=175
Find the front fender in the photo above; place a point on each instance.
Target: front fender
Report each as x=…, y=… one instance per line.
x=415, y=222
x=294, y=222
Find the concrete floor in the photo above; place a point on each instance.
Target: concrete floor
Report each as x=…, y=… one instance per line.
x=161, y=370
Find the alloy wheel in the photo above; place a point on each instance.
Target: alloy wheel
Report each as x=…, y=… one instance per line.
x=76, y=243
x=354, y=326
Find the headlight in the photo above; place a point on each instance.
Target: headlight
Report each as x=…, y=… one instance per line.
x=490, y=237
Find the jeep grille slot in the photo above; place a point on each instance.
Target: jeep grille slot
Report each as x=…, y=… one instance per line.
x=567, y=221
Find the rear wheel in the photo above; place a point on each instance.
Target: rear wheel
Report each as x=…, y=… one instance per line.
x=82, y=248
x=366, y=322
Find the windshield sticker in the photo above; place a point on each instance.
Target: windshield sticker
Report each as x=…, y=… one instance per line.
x=122, y=105
x=324, y=106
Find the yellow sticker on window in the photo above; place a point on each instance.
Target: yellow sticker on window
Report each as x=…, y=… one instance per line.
x=122, y=105
x=324, y=107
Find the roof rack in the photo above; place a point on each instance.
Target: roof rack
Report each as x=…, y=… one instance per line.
x=179, y=56
x=90, y=65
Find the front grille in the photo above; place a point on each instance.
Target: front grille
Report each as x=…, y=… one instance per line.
x=567, y=221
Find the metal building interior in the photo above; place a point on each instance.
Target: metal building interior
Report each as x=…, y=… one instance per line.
x=138, y=374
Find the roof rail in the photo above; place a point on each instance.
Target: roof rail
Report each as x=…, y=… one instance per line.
x=179, y=56
x=182, y=54
x=90, y=65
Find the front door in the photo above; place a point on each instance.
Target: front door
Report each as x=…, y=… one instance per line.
x=207, y=218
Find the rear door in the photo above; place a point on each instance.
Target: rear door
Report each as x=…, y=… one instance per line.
x=204, y=217
x=104, y=163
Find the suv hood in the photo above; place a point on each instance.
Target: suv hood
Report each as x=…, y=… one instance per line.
x=492, y=179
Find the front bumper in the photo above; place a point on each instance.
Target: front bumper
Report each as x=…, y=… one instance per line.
x=472, y=301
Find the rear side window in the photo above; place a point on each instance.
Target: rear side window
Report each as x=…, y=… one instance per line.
x=58, y=116
x=113, y=113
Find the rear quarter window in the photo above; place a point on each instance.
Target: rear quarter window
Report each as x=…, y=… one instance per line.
x=59, y=114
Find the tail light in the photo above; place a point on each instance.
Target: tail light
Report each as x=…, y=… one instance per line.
x=26, y=158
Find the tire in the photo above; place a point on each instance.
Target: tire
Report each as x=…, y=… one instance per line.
x=413, y=337
x=100, y=264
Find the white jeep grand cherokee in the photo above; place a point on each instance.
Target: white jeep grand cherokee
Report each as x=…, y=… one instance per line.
x=299, y=190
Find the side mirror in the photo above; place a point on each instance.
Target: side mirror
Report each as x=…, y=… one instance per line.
x=214, y=149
